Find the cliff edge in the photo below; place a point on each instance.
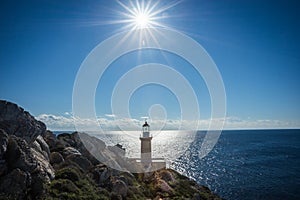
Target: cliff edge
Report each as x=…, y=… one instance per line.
x=36, y=164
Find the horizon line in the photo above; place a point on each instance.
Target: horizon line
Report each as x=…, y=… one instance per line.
x=238, y=129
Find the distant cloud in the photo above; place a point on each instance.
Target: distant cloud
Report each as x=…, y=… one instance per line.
x=55, y=122
x=110, y=115
x=236, y=123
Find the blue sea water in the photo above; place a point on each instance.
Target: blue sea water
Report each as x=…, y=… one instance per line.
x=252, y=164
x=248, y=164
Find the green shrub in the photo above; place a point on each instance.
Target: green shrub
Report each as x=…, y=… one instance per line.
x=68, y=173
x=71, y=183
x=63, y=186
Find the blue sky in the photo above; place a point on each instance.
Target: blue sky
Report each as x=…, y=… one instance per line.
x=253, y=43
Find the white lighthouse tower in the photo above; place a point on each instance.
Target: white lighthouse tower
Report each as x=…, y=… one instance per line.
x=146, y=157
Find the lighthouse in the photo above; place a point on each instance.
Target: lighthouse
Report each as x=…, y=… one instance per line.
x=146, y=157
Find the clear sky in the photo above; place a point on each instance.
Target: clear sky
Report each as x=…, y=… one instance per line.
x=253, y=43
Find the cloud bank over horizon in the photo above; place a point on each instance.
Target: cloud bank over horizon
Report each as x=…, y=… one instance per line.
x=110, y=123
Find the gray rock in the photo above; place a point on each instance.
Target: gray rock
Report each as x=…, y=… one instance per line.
x=36, y=146
x=67, y=139
x=115, y=196
x=91, y=143
x=44, y=167
x=14, y=184
x=44, y=146
x=38, y=181
x=15, y=121
x=120, y=188
x=56, y=158
x=126, y=180
x=87, y=149
x=196, y=196
x=20, y=155
x=3, y=143
x=27, y=164
x=70, y=151
x=50, y=139
x=114, y=164
x=104, y=176
x=166, y=176
x=164, y=186
x=3, y=167
x=81, y=161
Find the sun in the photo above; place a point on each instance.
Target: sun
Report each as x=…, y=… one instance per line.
x=142, y=20
x=144, y=14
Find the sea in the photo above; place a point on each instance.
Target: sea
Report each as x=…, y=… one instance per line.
x=244, y=164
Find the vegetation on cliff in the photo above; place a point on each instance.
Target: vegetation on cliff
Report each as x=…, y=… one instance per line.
x=35, y=164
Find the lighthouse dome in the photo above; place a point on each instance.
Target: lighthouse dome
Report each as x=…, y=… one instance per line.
x=146, y=124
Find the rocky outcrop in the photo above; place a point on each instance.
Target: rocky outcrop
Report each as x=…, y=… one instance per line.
x=14, y=185
x=77, y=165
x=20, y=155
x=24, y=154
x=37, y=164
x=24, y=164
x=3, y=147
x=56, y=158
x=120, y=188
x=15, y=121
x=3, y=143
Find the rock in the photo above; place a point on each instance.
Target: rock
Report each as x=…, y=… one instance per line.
x=89, y=148
x=81, y=161
x=27, y=149
x=39, y=180
x=124, y=179
x=28, y=164
x=115, y=196
x=166, y=176
x=104, y=176
x=56, y=158
x=196, y=196
x=91, y=143
x=3, y=143
x=3, y=167
x=36, y=146
x=15, y=121
x=67, y=138
x=93, y=149
x=41, y=146
x=114, y=164
x=43, y=166
x=120, y=188
x=127, y=177
x=20, y=155
x=44, y=146
x=70, y=151
x=50, y=139
x=14, y=185
x=117, y=150
x=164, y=186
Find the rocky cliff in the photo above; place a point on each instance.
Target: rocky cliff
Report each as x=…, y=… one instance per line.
x=35, y=164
